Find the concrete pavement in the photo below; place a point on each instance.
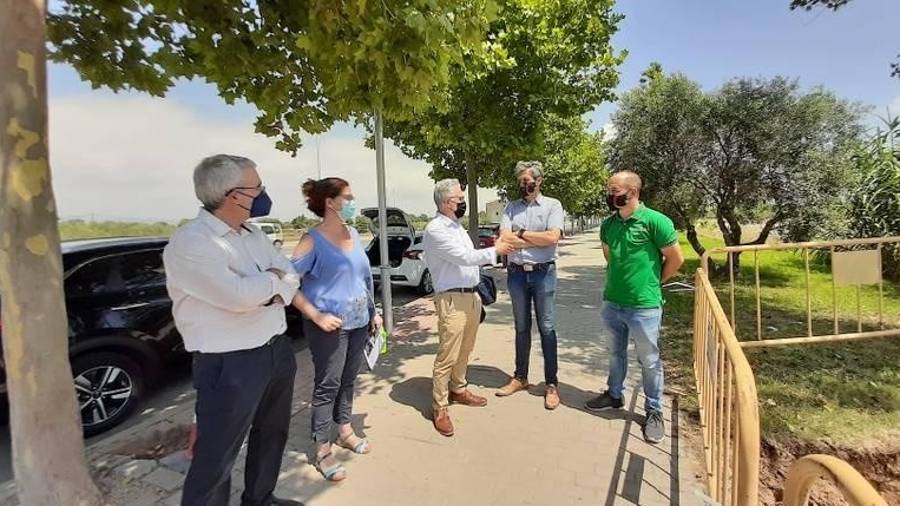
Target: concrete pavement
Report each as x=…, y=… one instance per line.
x=512, y=452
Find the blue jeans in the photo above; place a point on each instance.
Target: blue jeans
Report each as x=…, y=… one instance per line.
x=642, y=325
x=538, y=287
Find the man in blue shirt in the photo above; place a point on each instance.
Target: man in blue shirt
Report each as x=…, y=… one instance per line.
x=533, y=225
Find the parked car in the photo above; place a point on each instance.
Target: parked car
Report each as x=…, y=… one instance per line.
x=487, y=237
x=273, y=231
x=404, y=251
x=121, y=331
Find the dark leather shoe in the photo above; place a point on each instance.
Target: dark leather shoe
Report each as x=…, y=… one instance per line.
x=467, y=398
x=442, y=422
x=285, y=502
x=275, y=501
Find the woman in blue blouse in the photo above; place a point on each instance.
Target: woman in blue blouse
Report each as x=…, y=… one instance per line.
x=336, y=298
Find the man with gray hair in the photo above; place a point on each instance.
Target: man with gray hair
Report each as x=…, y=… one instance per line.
x=229, y=287
x=454, y=265
x=533, y=224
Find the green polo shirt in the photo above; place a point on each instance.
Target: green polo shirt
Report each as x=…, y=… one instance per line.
x=635, y=260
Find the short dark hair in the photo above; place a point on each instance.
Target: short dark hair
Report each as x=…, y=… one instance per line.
x=317, y=191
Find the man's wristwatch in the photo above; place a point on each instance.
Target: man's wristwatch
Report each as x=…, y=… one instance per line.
x=520, y=233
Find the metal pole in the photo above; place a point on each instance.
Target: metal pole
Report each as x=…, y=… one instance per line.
x=386, y=303
x=318, y=160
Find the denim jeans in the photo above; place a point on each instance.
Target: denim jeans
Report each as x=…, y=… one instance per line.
x=337, y=358
x=538, y=287
x=642, y=326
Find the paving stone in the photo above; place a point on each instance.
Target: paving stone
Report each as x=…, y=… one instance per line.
x=165, y=479
x=177, y=461
x=136, y=469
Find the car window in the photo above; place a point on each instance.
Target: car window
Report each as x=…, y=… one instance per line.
x=267, y=229
x=117, y=273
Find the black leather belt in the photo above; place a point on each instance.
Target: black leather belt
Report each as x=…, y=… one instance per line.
x=462, y=290
x=530, y=267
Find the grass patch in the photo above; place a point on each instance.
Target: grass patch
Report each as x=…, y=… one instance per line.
x=846, y=393
x=79, y=229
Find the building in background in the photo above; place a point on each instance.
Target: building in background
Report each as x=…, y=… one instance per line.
x=493, y=210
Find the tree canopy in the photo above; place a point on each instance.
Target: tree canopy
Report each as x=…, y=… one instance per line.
x=754, y=151
x=303, y=66
x=554, y=58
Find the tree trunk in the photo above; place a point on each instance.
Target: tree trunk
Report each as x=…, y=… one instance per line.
x=472, y=185
x=731, y=233
x=767, y=229
x=694, y=239
x=47, y=442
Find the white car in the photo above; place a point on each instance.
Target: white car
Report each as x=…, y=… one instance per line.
x=273, y=232
x=404, y=251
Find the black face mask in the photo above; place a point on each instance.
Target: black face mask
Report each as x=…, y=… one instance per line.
x=527, y=189
x=460, y=210
x=616, y=202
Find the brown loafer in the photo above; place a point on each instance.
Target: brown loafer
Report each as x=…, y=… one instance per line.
x=467, y=398
x=551, y=397
x=514, y=385
x=442, y=422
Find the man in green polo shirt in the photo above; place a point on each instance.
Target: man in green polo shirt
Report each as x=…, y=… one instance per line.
x=641, y=248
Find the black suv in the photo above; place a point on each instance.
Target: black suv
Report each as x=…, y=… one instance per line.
x=121, y=331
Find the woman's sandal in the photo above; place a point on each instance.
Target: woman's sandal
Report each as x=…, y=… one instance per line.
x=333, y=470
x=361, y=447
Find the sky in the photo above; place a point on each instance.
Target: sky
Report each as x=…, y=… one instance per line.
x=128, y=156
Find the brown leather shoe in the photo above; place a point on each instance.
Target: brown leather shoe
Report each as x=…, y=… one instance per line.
x=514, y=385
x=551, y=397
x=442, y=422
x=467, y=398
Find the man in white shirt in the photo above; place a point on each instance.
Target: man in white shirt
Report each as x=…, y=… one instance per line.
x=454, y=265
x=229, y=286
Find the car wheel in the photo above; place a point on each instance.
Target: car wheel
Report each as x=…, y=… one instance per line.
x=425, y=284
x=108, y=386
x=278, y=244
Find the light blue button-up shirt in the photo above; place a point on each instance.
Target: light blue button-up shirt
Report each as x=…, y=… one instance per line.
x=543, y=214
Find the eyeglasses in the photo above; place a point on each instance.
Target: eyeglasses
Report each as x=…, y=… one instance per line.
x=260, y=187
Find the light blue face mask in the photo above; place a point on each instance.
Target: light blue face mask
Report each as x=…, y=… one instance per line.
x=348, y=212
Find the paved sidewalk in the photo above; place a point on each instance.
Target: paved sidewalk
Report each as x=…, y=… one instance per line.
x=513, y=452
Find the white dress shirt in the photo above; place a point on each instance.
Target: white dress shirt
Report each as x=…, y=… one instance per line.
x=450, y=255
x=219, y=286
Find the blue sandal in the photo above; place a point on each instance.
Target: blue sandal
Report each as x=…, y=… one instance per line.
x=331, y=472
x=361, y=447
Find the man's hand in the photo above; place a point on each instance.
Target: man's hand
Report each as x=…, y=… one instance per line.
x=328, y=322
x=504, y=246
x=508, y=235
x=376, y=323
x=513, y=240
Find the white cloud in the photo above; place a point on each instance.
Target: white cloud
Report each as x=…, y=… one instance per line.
x=131, y=157
x=609, y=130
x=894, y=108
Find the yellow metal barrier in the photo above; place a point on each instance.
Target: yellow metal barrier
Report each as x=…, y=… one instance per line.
x=854, y=262
x=805, y=472
x=728, y=403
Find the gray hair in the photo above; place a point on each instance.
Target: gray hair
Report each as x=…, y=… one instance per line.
x=536, y=169
x=442, y=190
x=216, y=175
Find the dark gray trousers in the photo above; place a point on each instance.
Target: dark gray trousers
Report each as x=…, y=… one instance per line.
x=337, y=357
x=237, y=392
